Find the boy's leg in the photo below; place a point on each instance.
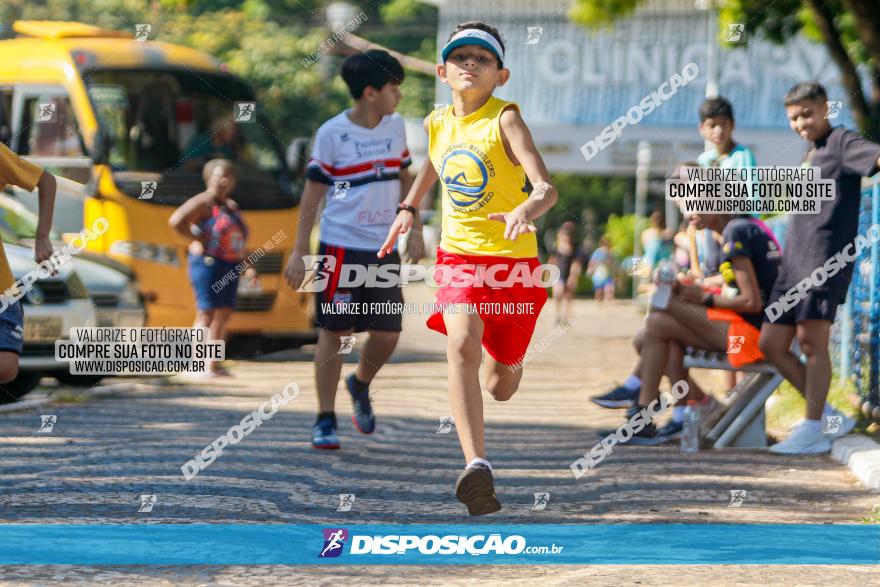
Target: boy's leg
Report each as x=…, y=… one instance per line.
x=813, y=338
x=464, y=353
x=775, y=343
x=328, y=365
x=8, y=367
x=665, y=327
x=502, y=380
x=475, y=487
x=11, y=342
x=377, y=350
x=675, y=371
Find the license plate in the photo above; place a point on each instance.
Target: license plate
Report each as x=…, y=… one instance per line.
x=42, y=328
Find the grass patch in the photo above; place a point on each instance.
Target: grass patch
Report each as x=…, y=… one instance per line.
x=874, y=518
x=787, y=406
x=70, y=397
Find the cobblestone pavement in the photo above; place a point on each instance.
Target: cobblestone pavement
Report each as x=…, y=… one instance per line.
x=103, y=454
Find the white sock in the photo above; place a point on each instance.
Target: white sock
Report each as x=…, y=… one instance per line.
x=678, y=414
x=814, y=426
x=829, y=410
x=632, y=382
x=479, y=461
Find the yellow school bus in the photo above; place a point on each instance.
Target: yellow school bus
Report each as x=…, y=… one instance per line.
x=130, y=122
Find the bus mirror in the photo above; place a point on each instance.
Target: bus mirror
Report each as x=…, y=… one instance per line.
x=296, y=155
x=101, y=147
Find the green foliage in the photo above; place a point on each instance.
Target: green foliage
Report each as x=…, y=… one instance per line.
x=620, y=230
x=787, y=405
x=265, y=41
x=581, y=196
x=874, y=517
x=296, y=97
x=398, y=12
x=598, y=13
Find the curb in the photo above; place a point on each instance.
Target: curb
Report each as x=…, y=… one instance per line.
x=862, y=456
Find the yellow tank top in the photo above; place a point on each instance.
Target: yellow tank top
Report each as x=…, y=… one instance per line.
x=478, y=179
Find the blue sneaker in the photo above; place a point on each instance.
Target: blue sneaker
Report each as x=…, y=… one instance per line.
x=363, y=417
x=619, y=397
x=324, y=433
x=672, y=430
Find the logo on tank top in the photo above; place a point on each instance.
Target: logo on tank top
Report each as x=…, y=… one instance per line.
x=465, y=172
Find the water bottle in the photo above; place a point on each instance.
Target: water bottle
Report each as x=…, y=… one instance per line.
x=690, y=434
x=664, y=279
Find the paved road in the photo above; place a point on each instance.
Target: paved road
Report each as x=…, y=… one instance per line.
x=103, y=454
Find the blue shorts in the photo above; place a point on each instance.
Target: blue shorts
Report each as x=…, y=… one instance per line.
x=207, y=281
x=11, y=329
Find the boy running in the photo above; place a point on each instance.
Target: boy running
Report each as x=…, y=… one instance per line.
x=24, y=174
x=482, y=150
x=811, y=240
x=358, y=168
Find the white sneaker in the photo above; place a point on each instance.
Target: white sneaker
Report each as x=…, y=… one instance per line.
x=841, y=428
x=803, y=441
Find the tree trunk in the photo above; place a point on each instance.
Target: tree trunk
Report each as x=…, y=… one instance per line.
x=824, y=18
x=866, y=15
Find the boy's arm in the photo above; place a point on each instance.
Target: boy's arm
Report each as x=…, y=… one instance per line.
x=22, y=173
x=543, y=195
x=313, y=193
x=415, y=243
x=860, y=156
x=46, y=187
x=425, y=178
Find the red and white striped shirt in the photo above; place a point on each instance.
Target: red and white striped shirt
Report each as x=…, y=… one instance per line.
x=361, y=167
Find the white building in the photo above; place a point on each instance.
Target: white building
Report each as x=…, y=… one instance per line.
x=571, y=82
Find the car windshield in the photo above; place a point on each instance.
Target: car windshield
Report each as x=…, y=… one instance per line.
x=17, y=222
x=170, y=122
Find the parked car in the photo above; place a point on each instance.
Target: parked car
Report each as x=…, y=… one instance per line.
x=52, y=307
x=111, y=285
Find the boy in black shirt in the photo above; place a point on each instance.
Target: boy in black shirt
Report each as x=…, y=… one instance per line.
x=811, y=241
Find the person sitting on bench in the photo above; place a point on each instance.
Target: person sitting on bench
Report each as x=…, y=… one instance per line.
x=693, y=317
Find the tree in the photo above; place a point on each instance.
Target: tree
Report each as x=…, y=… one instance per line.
x=849, y=29
x=265, y=42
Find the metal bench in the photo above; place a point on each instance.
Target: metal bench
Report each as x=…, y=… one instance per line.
x=742, y=424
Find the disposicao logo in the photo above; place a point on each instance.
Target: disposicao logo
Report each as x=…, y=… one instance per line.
x=334, y=540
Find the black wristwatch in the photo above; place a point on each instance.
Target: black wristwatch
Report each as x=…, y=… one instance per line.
x=709, y=300
x=408, y=208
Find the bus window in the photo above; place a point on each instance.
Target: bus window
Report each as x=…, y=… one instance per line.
x=51, y=130
x=45, y=130
x=171, y=122
x=5, y=115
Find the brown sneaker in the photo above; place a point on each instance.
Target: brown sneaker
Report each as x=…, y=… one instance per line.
x=476, y=489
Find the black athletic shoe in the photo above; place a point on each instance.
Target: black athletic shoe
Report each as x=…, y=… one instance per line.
x=363, y=417
x=619, y=397
x=476, y=489
x=672, y=430
x=647, y=436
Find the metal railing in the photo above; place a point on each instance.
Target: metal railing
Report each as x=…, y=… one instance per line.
x=855, y=336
